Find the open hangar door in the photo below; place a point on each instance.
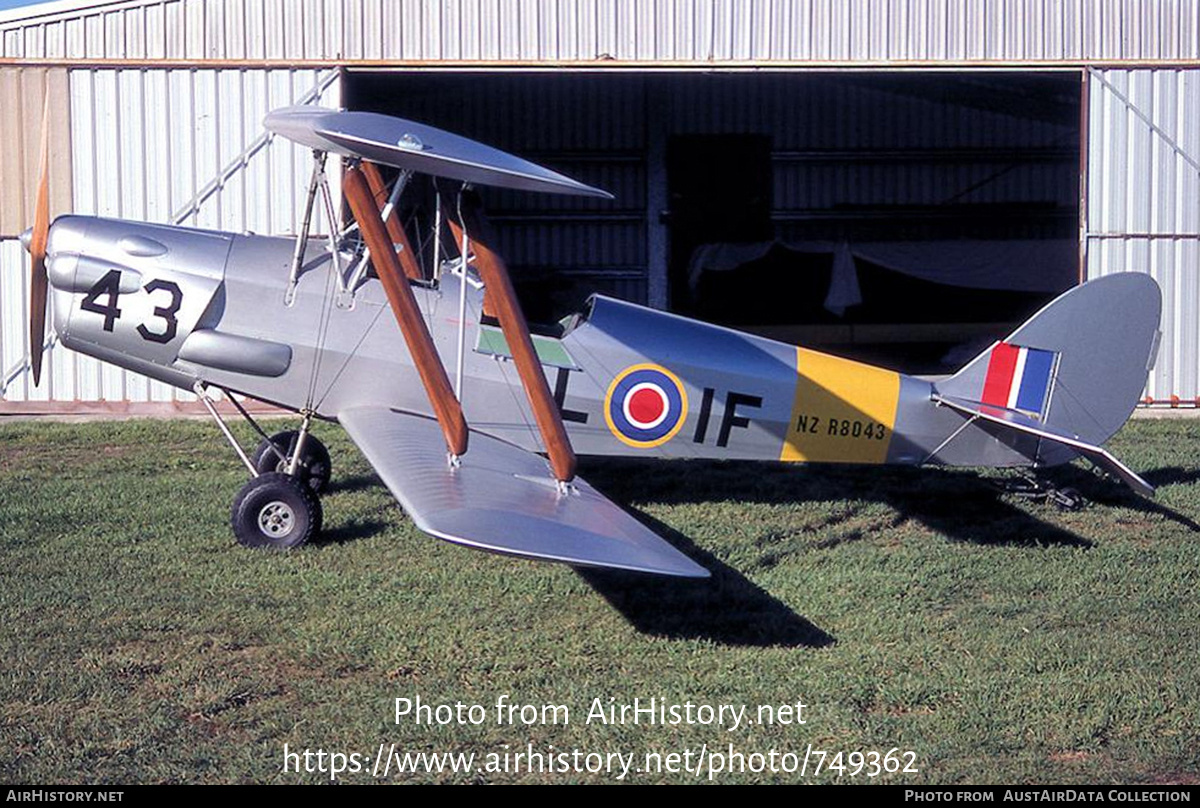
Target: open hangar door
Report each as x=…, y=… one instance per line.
x=902, y=217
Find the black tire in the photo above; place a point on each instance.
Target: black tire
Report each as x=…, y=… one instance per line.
x=315, y=466
x=275, y=510
x=1068, y=499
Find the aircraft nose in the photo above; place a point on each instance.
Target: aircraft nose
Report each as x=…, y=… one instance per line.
x=27, y=238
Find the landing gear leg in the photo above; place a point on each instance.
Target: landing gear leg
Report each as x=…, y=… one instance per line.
x=279, y=506
x=298, y=453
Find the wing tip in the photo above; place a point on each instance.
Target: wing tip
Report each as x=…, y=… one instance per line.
x=674, y=565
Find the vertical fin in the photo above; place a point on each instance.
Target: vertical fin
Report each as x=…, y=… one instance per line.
x=1079, y=364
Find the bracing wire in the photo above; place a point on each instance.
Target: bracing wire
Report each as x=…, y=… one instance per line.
x=462, y=303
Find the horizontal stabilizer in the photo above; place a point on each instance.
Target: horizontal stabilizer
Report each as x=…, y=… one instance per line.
x=503, y=499
x=1011, y=419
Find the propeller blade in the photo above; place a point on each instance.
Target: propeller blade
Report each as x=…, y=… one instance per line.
x=38, y=282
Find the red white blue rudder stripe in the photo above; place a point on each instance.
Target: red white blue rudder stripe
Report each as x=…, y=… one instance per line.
x=1019, y=378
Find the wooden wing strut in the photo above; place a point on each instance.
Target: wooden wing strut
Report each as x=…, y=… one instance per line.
x=395, y=230
x=404, y=307
x=499, y=293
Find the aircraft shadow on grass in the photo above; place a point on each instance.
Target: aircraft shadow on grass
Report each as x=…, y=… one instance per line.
x=731, y=609
x=357, y=482
x=727, y=608
x=956, y=503
x=1102, y=492
x=1173, y=475
x=351, y=531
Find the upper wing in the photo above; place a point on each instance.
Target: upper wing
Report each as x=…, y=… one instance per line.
x=503, y=498
x=417, y=147
x=1020, y=423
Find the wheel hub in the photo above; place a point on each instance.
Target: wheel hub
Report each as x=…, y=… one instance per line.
x=276, y=519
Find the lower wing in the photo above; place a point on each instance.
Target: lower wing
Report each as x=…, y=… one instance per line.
x=503, y=499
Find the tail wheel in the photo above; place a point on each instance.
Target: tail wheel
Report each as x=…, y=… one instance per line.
x=315, y=465
x=1067, y=498
x=275, y=510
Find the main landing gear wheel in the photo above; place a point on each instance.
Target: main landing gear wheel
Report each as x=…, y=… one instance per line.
x=275, y=510
x=315, y=465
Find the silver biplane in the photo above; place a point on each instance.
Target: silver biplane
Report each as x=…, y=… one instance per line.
x=472, y=421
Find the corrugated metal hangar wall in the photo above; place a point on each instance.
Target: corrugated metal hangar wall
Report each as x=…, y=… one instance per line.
x=183, y=146
x=1143, y=203
x=164, y=98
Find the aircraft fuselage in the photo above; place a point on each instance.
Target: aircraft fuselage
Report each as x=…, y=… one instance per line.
x=186, y=306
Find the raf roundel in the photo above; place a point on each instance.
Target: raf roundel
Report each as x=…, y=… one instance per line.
x=645, y=406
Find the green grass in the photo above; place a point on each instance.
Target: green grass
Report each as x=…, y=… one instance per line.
x=999, y=639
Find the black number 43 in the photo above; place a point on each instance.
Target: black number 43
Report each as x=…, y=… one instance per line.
x=110, y=287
